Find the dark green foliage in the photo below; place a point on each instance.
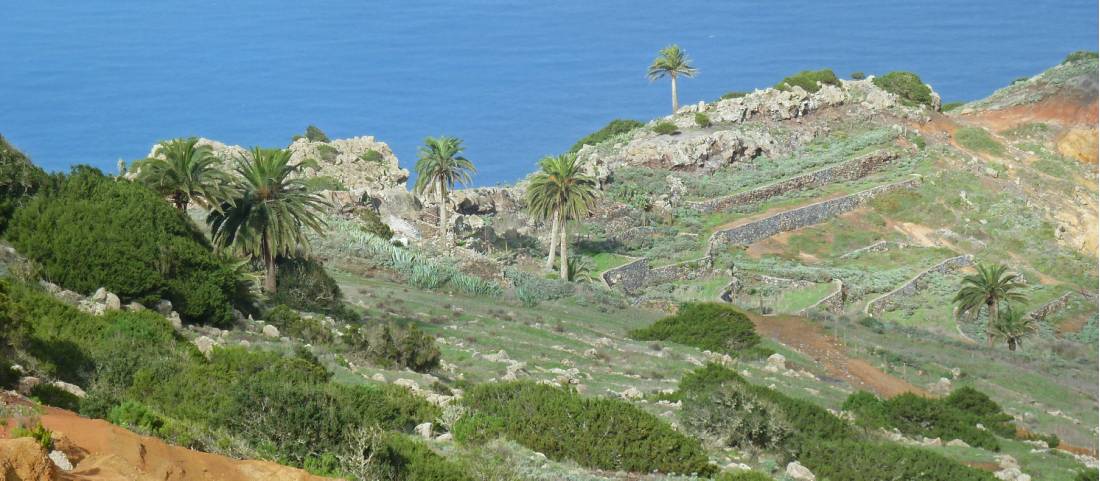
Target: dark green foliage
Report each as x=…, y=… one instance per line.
x=41, y=435
x=411, y=460
x=733, y=95
x=314, y=134
x=51, y=395
x=613, y=128
x=294, y=325
x=392, y=344
x=665, y=128
x=1077, y=57
x=858, y=75
x=734, y=415
x=949, y=106
x=596, y=433
x=98, y=232
x=373, y=224
x=867, y=461
x=907, y=86
x=809, y=80
x=744, y=476
x=19, y=178
x=954, y=417
x=702, y=120
x=324, y=182
x=706, y=325
x=304, y=284
x=9, y=377
x=372, y=156
x=1090, y=474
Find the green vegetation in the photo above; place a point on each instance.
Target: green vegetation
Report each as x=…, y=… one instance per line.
x=303, y=284
x=949, y=106
x=266, y=218
x=907, y=86
x=95, y=231
x=857, y=75
x=671, y=62
x=744, y=476
x=613, y=129
x=809, y=80
x=1078, y=56
x=733, y=95
x=373, y=224
x=986, y=290
x=184, y=171
x=394, y=345
x=19, y=179
x=706, y=325
x=439, y=166
x=597, y=433
x=324, y=182
x=313, y=134
x=665, y=128
x=954, y=417
x=702, y=120
x=974, y=138
x=560, y=191
x=372, y=156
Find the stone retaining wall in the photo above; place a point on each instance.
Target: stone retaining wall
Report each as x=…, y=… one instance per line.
x=833, y=302
x=880, y=246
x=880, y=304
x=634, y=276
x=800, y=217
x=849, y=170
x=1051, y=307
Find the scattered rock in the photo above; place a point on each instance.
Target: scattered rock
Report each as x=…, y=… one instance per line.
x=445, y=437
x=424, y=430
x=69, y=388
x=958, y=443
x=408, y=383
x=379, y=377
x=798, y=472
x=776, y=363
x=270, y=331
x=941, y=387
x=1011, y=474
x=631, y=393
x=135, y=306
x=174, y=319
x=205, y=345
x=1006, y=461
x=26, y=383
x=164, y=307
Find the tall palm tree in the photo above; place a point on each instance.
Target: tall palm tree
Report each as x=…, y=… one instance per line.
x=1012, y=326
x=440, y=165
x=987, y=289
x=265, y=218
x=184, y=172
x=543, y=210
x=561, y=187
x=671, y=62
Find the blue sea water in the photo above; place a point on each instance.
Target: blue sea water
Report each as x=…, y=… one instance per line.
x=93, y=81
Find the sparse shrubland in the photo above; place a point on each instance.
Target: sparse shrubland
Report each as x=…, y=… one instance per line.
x=615, y=128
x=597, y=433
x=907, y=86
x=809, y=80
x=952, y=418
x=708, y=325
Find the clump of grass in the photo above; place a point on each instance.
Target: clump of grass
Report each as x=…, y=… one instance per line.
x=665, y=128
x=976, y=139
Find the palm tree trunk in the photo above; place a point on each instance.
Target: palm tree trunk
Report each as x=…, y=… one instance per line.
x=553, y=241
x=992, y=321
x=442, y=211
x=564, y=251
x=675, y=100
x=271, y=270
x=1011, y=344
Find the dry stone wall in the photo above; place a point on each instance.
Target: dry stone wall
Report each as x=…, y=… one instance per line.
x=636, y=275
x=800, y=217
x=848, y=170
x=882, y=303
x=833, y=302
x=1051, y=307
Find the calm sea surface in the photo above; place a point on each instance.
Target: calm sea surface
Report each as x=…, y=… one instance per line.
x=98, y=80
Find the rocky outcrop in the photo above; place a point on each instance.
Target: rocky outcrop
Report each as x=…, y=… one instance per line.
x=789, y=220
x=23, y=459
x=886, y=301
x=849, y=170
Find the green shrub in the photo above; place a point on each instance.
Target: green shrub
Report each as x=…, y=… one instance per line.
x=304, y=284
x=314, y=134
x=954, y=417
x=744, y=476
x=979, y=405
x=1089, y=474
x=292, y=324
x=614, y=128
x=596, y=433
x=706, y=325
x=907, y=86
x=324, y=182
x=372, y=156
x=373, y=224
x=41, y=435
x=702, y=120
x=809, y=80
x=392, y=344
x=949, y=106
x=665, y=128
x=51, y=395
x=531, y=289
x=858, y=75
x=1077, y=57
x=19, y=178
x=975, y=138
x=867, y=461
x=733, y=95
x=98, y=232
x=734, y=415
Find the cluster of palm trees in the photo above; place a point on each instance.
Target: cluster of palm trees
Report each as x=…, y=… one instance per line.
x=560, y=192
x=994, y=290
x=259, y=210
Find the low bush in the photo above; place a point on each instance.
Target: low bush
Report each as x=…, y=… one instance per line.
x=907, y=86
x=1077, y=57
x=858, y=75
x=51, y=395
x=313, y=134
x=324, y=182
x=304, y=284
x=96, y=231
x=391, y=345
x=733, y=95
x=732, y=415
x=19, y=178
x=294, y=325
x=702, y=120
x=953, y=417
x=949, y=106
x=868, y=461
x=614, y=128
x=372, y=156
x=373, y=224
x=706, y=325
x=744, y=476
x=665, y=128
x=531, y=289
x=809, y=80
x=596, y=433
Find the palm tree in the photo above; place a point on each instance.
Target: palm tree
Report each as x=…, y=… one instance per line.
x=265, y=219
x=1013, y=326
x=987, y=289
x=439, y=166
x=543, y=210
x=672, y=62
x=560, y=187
x=184, y=172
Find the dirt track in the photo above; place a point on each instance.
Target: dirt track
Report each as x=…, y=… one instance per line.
x=800, y=334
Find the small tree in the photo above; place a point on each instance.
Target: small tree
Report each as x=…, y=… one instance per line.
x=671, y=62
x=986, y=290
x=1013, y=326
x=439, y=167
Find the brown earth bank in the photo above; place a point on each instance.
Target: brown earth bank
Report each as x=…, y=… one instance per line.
x=101, y=451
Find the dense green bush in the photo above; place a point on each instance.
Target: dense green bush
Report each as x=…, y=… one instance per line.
x=324, y=182
x=596, y=433
x=304, y=284
x=1079, y=56
x=373, y=224
x=612, y=129
x=97, y=232
x=313, y=134
x=735, y=416
x=292, y=324
x=51, y=395
x=665, y=128
x=867, y=461
x=907, y=86
x=953, y=417
x=19, y=178
x=858, y=75
x=392, y=344
x=702, y=120
x=809, y=80
x=706, y=325
x=744, y=476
